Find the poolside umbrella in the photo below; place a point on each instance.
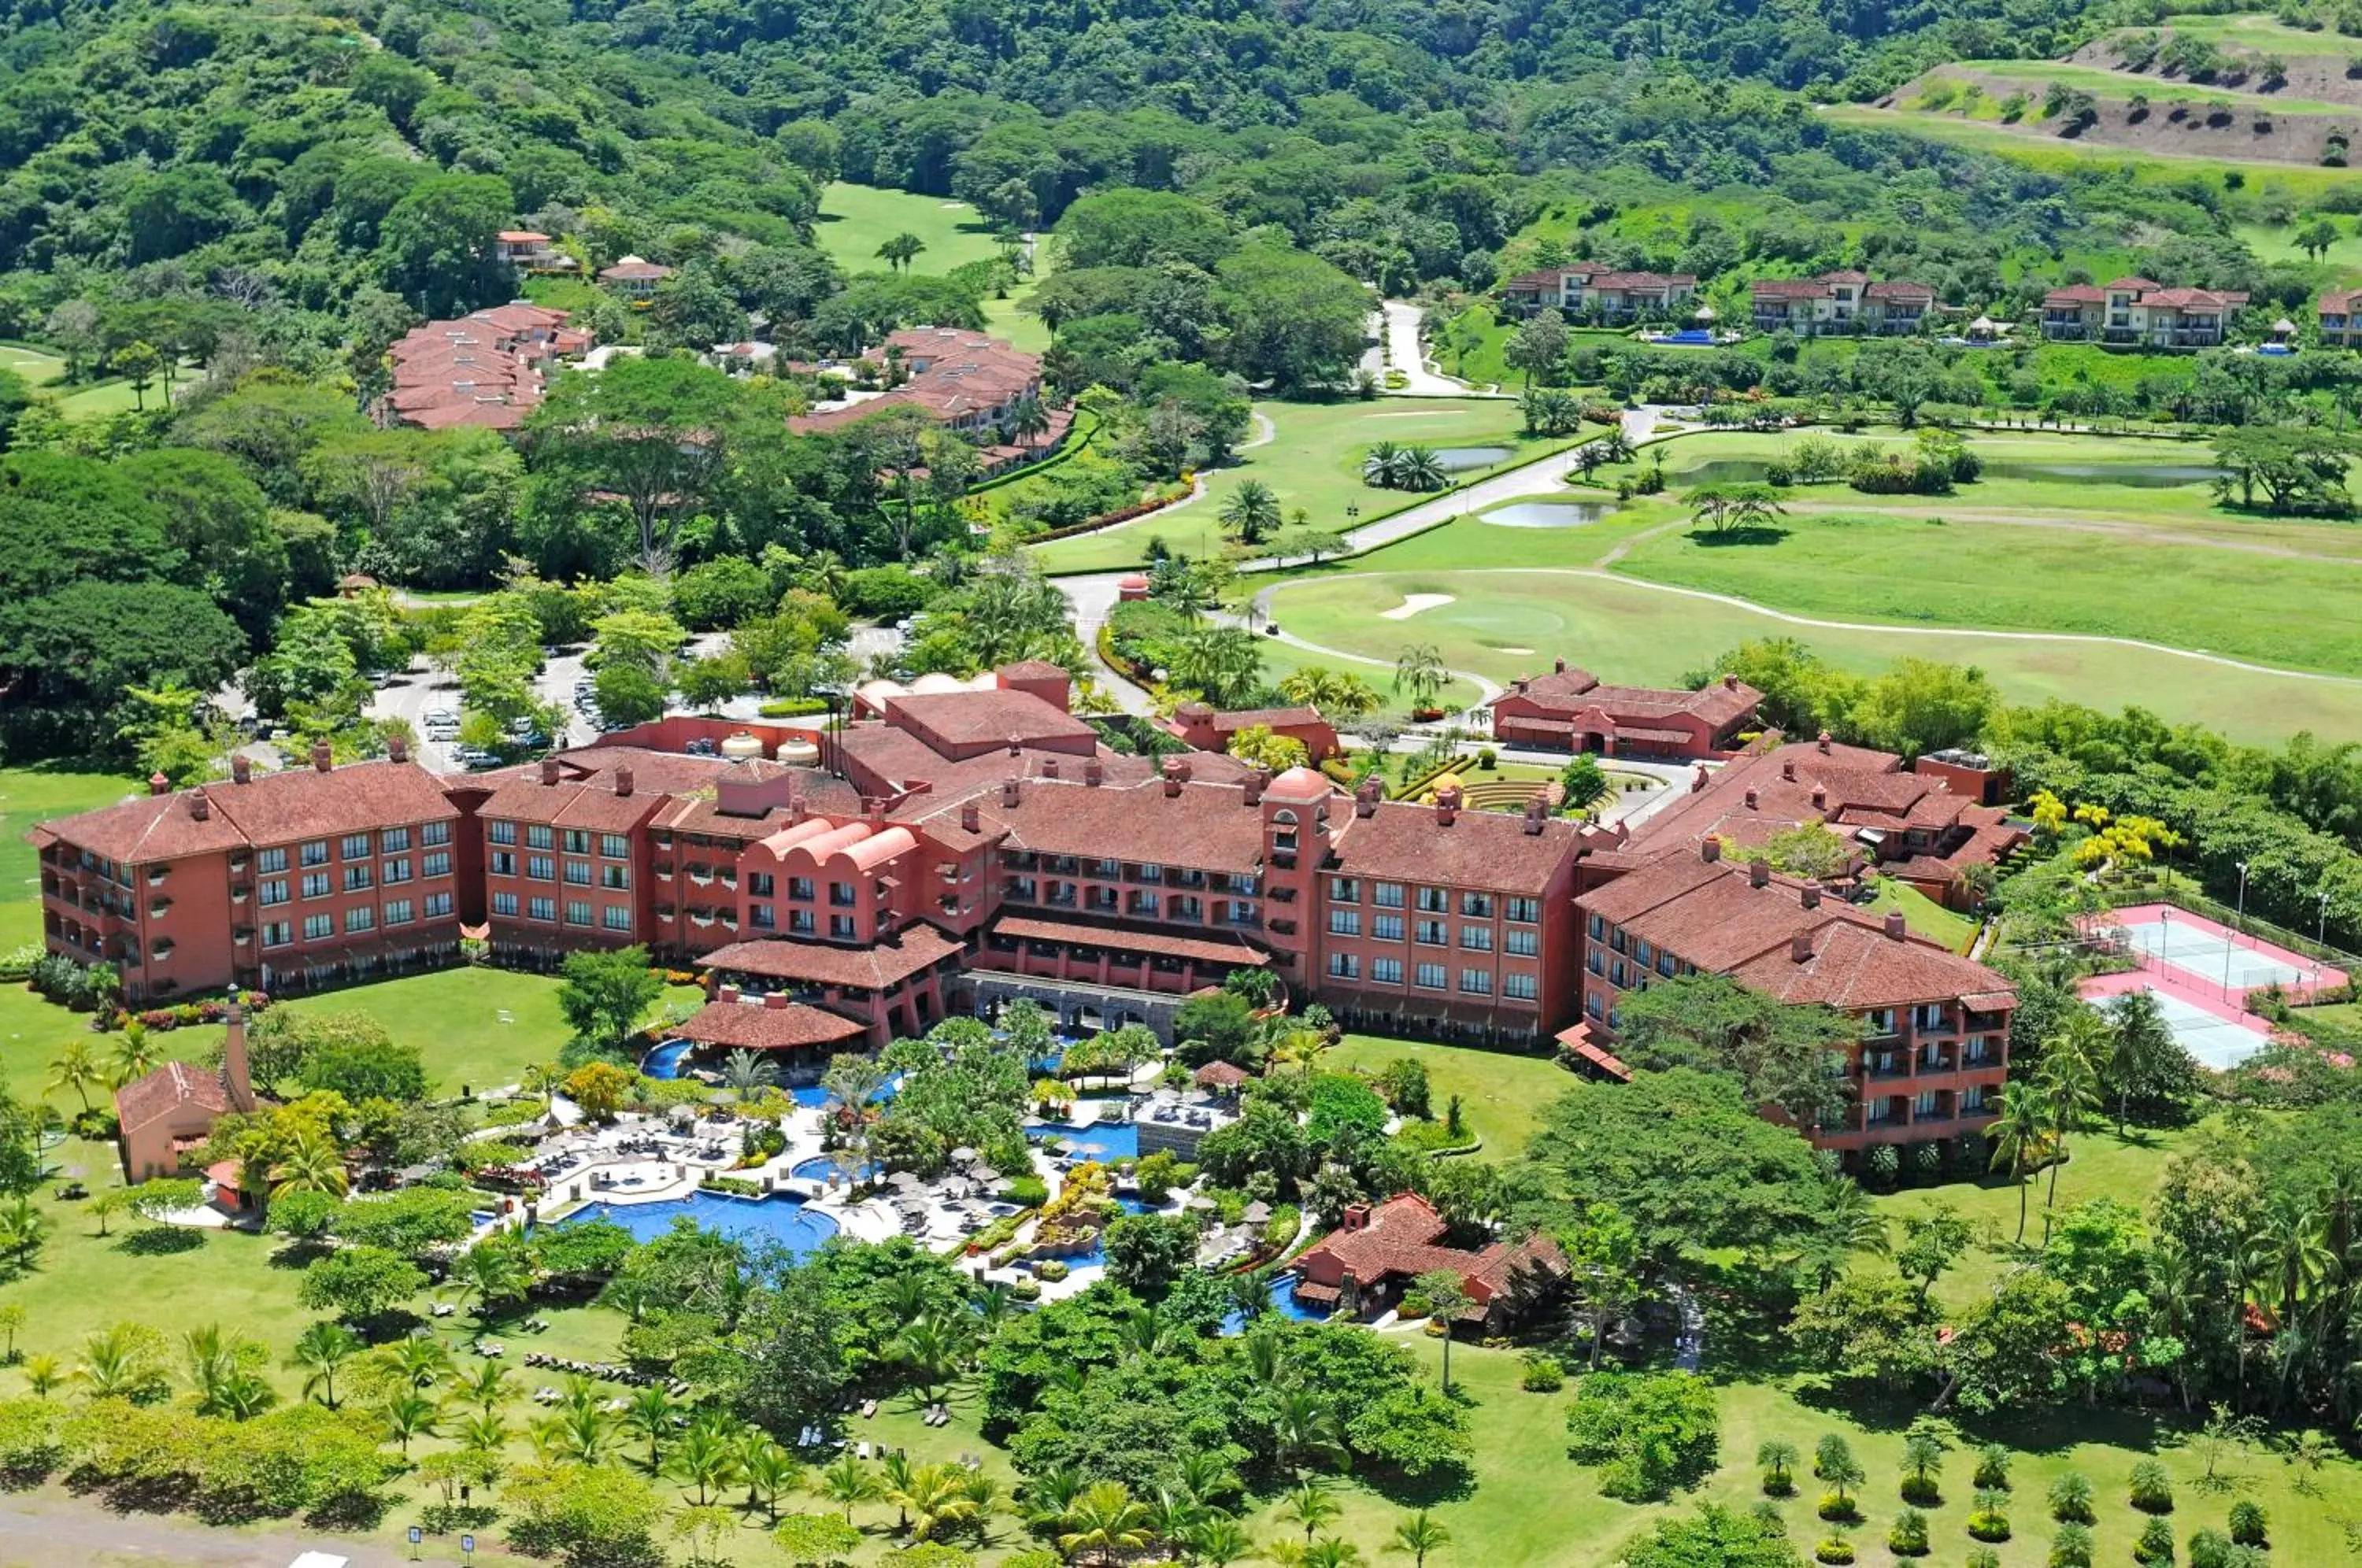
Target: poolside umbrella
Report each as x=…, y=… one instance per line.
x=986, y=1174
x=908, y=1181
x=1256, y=1213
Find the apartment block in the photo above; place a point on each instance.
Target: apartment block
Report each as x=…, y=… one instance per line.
x=1840, y=301
x=2139, y=312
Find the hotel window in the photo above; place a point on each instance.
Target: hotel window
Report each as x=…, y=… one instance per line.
x=840, y=928
x=614, y=846
x=315, y=884
x=800, y=887
x=361, y=917
x=1972, y=1100
x=1387, y=895
x=394, y=840
x=356, y=846
x=578, y=872
x=615, y=917
x=1523, y=944
x=1667, y=965
x=357, y=879
x=577, y=911
x=1476, y=938
x=1615, y=974
x=503, y=863
x=1476, y=982
x=1431, y=933
x=541, y=909
x=762, y=917
x=800, y=923
x=1345, y=889
x=1880, y=1021
x=275, y=891
x=840, y=895
x=1434, y=901
x=1519, y=985
x=1922, y=1104
x=1386, y=928
x=1477, y=905
x=577, y=841
x=271, y=860
x=501, y=833
x=1975, y=1053
x=398, y=912
x=1386, y=971
x=1144, y=904
x=1344, y=922
x=1595, y=927
x=540, y=868
x=434, y=832
x=1427, y=977
x=1151, y=873
x=759, y=885
x=504, y=904
x=395, y=870
x=316, y=852
x=538, y=836
x=1525, y=911
x=1594, y=963
x=1345, y=967
x=1643, y=955
x=1591, y=1005
x=1241, y=881
x=615, y=878
x=319, y=927
x=438, y=905
x=277, y=933
x=436, y=865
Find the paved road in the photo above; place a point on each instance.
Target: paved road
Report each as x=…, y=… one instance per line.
x=51, y=1532
x=1404, y=354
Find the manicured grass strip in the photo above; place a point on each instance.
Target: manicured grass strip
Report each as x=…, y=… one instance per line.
x=1502, y=1094
x=854, y=220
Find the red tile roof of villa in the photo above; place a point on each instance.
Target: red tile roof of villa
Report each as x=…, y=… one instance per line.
x=1403, y=1237
x=893, y=958
x=1898, y=288
x=2076, y=294
x=270, y=809
x=1220, y=1074
x=1206, y=827
x=1574, y=691
x=2185, y=299
x=1401, y=842
x=1641, y=279
x=963, y=719
x=753, y=1026
x=1198, y=949
x=630, y=269
x=165, y=1090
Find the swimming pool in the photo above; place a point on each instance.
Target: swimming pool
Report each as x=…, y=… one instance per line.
x=811, y=1097
x=785, y=1221
x=664, y=1060
x=1100, y=1140
x=825, y=1167
x=1097, y=1257
x=1282, y=1304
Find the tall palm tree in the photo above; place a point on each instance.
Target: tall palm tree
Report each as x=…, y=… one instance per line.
x=2070, y=1075
x=1252, y=513
x=312, y=1164
x=2020, y=1136
x=1221, y=662
x=1420, y=1534
x=321, y=1351
x=1421, y=674
x=76, y=1068
x=484, y=1433
x=934, y=1497
x=136, y=1054
x=767, y=1469
x=1103, y=1519
x=746, y=1072
x=933, y=1349
x=2178, y=1295
x=408, y=1415
x=2300, y=1260
x=1309, y=1504
x=1028, y=420
x=489, y=1274
x=848, y=1482
x=650, y=1416
x=486, y=1387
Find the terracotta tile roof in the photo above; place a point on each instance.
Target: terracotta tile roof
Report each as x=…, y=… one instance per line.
x=897, y=957
x=166, y=1090
x=272, y=809
x=2076, y=294
x=738, y=1025
x=2201, y=299
x=1642, y=280
x=1788, y=289
x=1489, y=850
x=969, y=719
x=1844, y=275
x=2143, y=284
x=1574, y=690
x=1220, y=1074
x=2341, y=302
x=1897, y=289
x=1230, y=722
x=1401, y=1239
x=633, y=270
x=1199, y=949
x=1547, y=278
x=1206, y=827
x=589, y=803
x=1032, y=670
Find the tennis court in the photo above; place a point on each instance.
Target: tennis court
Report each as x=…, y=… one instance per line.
x=2212, y=1039
x=2191, y=951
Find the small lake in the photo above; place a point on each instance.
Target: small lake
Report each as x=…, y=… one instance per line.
x=1547, y=514
x=1459, y=459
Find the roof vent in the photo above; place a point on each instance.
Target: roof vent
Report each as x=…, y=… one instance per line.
x=1094, y=772
x=1896, y=928
x=199, y=806
x=1800, y=948
x=1558, y=667
x=1823, y=743
x=241, y=769
x=322, y=757
x=1049, y=768
x=1759, y=872
x=1751, y=800
x=1788, y=771
x=1730, y=683
x=159, y=785
x=1015, y=749
x=1820, y=798
x=1009, y=793
x=1709, y=849
x=623, y=783
x=971, y=819
x=1811, y=896
x=396, y=749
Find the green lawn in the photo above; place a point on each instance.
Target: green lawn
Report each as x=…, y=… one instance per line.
x=854, y=220
x=1313, y=463
x=1501, y=1095
x=1923, y=914
x=38, y=366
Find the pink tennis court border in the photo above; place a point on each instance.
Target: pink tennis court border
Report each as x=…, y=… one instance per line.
x=2192, y=985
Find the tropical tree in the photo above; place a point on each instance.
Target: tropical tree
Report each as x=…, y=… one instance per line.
x=43, y=1373
x=901, y=251
x=1422, y=469
x=23, y=1228
x=650, y=1415
x=933, y=1349
x=767, y=1469
x=706, y=1457
x=1338, y=694
x=746, y=1072
x=1419, y=1535
x=1222, y=663
x=848, y=1482
x=311, y=1162
x=136, y=1054
x=1421, y=674
x=1103, y=1521
x=418, y=1360
x=407, y=1416
x=1834, y=1462
x=1252, y=513
x=935, y=1498
x=1381, y=464
x=2021, y=1136
x=77, y=1068
x=2069, y=1076
x=1775, y=1458
x=1447, y=1297
x=486, y=1387
x=1218, y=1542
x=489, y=1274
x=1311, y=1505
x=321, y=1351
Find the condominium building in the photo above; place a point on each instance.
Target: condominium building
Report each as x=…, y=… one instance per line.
x=2339, y=318
x=2138, y=313
x=1588, y=291
x=1572, y=710
x=487, y=368
x=1839, y=302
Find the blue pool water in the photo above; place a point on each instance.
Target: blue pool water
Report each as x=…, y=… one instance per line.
x=664, y=1060
x=2275, y=348
x=1097, y=1257
x=1283, y=1302
x=782, y=1220
x=820, y=1167
x=1688, y=337
x=811, y=1097
x=1100, y=1140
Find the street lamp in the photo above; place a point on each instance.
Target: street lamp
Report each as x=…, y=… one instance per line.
x=2231, y=936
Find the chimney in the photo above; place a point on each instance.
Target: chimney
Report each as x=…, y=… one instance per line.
x=1049, y=768
x=1820, y=798
x=1356, y=1217
x=1252, y=786
x=1365, y=797
x=396, y=749
x=1009, y=793
x=1788, y=772
x=1447, y=806
x=623, y=783
x=1709, y=849
x=1895, y=928
x=726, y=993
x=1750, y=800
x=1800, y=948
x=1014, y=748
x=1172, y=778
x=549, y=770
x=321, y=757
x=1558, y=667
x=1094, y=772
x=241, y=769
x=1730, y=683
x=1537, y=813
x=237, y=1077
x=199, y=806
x=777, y=999
x=1698, y=777
x=1823, y=743
x=1521, y=682
x=971, y=819
x=1759, y=872
x=159, y=785
x=1811, y=896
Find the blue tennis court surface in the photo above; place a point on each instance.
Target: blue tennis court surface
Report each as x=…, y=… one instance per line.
x=2211, y=956
x=2216, y=1043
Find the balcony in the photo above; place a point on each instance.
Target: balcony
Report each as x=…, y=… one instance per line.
x=663, y=869
x=728, y=880
x=701, y=918
x=702, y=875
x=156, y=875
x=239, y=892
x=243, y=935
x=667, y=912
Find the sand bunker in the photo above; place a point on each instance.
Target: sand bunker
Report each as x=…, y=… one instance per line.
x=1512, y=650
x=1412, y=605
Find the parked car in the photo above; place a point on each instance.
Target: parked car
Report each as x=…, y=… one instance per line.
x=473, y=758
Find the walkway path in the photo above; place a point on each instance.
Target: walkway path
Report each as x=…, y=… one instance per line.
x=1401, y=324
x=67, y=1534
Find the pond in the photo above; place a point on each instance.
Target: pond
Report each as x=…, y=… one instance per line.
x=785, y=1221
x=1547, y=514
x=1461, y=459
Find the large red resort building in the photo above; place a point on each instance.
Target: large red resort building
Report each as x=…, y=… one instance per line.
x=1572, y=710
x=961, y=845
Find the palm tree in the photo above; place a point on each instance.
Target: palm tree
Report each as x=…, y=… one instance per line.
x=42, y=1374
x=579, y=1433
x=1382, y=466
x=484, y=1433
x=2300, y=1260
x=321, y=1350
x=1104, y=1520
x=1252, y=513
x=112, y=1366
x=407, y=1416
x=76, y=1068
x=419, y=1359
x=1220, y=663
x=1218, y=1542
x=23, y=1228
x=650, y=1415
x=136, y=1054
x=769, y=1470
x=1422, y=469
x=1329, y=1552
x=2070, y=1075
x=848, y=1482
x=746, y=1072
x=1420, y=673
x=2020, y=1136
x=706, y=1458
x=1028, y=420
x=1308, y=1503
x=486, y=1387
x=1776, y=1458
x=490, y=1274
x=934, y=1496
x=312, y=1164
x=1419, y=1535
x=932, y=1349
x=901, y=251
